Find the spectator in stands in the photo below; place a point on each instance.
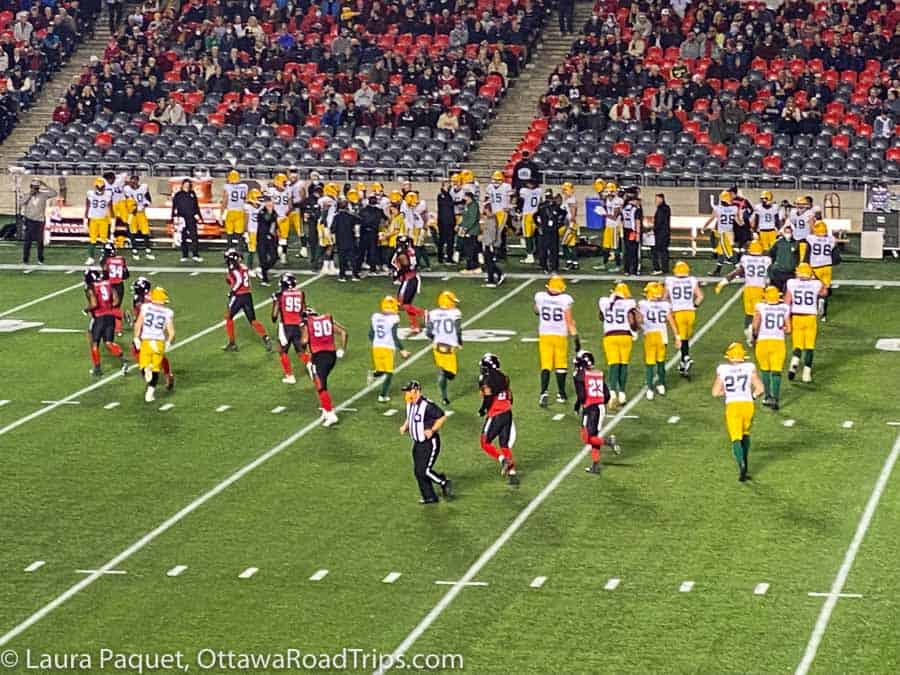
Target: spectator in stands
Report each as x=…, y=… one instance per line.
x=448, y=120
x=637, y=46
x=87, y=104
x=691, y=48
x=459, y=36
x=623, y=111
x=772, y=111
x=662, y=233
x=22, y=29
x=252, y=115
x=820, y=90
x=662, y=100
x=789, y=122
x=811, y=118
x=883, y=125
x=893, y=101
x=332, y=116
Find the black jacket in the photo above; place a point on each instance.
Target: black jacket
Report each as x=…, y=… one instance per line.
x=268, y=224
x=550, y=218
x=343, y=226
x=445, y=212
x=662, y=224
x=370, y=217
x=184, y=205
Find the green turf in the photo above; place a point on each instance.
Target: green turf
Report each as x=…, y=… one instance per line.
x=83, y=483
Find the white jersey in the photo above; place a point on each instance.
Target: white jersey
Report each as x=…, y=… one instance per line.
x=118, y=187
x=755, y=269
x=140, y=195
x=767, y=217
x=726, y=217
x=820, y=250
x=298, y=192
x=153, y=320
x=551, y=311
x=383, y=329
x=570, y=204
x=282, y=201
x=443, y=326
x=680, y=292
x=804, y=295
x=614, y=206
x=499, y=196
x=531, y=199
x=802, y=222
x=655, y=314
x=98, y=204
x=252, y=217
x=737, y=379
x=771, y=320
x=615, y=314
x=457, y=194
x=235, y=196
x=629, y=217
x=327, y=208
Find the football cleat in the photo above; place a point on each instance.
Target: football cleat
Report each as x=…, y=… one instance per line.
x=807, y=374
x=96, y=372
x=197, y=259
x=135, y=256
x=543, y=399
x=529, y=259
x=504, y=466
x=149, y=256
x=230, y=347
x=795, y=365
x=184, y=259
x=447, y=489
x=649, y=394
x=89, y=261
x=613, y=444
x=329, y=418
x=170, y=382
x=370, y=377
x=383, y=399
x=267, y=341
x=661, y=389
x=150, y=395
x=513, y=478
x=428, y=501
x=289, y=379
x=593, y=468
x=124, y=366
x=621, y=398
x=445, y=401
x=561, y=398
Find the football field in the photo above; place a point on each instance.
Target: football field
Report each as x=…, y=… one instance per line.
x=223, y=518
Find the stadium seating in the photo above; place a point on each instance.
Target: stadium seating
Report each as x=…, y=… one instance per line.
x=654, y=98
x=351, y=96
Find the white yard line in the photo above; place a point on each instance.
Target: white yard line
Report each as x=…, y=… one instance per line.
x=173, y=520
x=838, y=586
x=319, y=575
x=538, y=582
x=391, y=578
x=36, y=565
x=686, y=587
x=532, y=506
x=612, y=584
x=31, y=303
x=109, y=378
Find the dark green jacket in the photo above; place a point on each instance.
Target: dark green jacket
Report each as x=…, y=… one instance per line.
x=785, y=255
x=471, y=220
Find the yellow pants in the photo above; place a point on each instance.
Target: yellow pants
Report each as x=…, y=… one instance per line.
x=569, y=235
x=325, y=236
x=151, y=355
x=554, y=352
x=120, y=210
x=383, y=359
x=725, y=243
x=770, y=354
x=738, y=418
x=609, y=238
x=803, y=331
x=98, y=229
x=802, y=249
x=138, y=224
x=528, y=225
x=294, y=223
x=767, y=239
x=284, y=227
x=234, y=222
x=501, y=218
x=752, y=296
x=654, y=348
x=446, y=362
x=684, y=322
x=251, y=242
x=617, y=349
x=823, y=274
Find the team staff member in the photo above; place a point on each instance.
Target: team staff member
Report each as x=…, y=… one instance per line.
x=632, y=222
x=662, y=235
x=469, y=229
x=34, y=209
x=267, y=230
x=551, y=218
x=784, y=255
x=739, y=383
x=424, y=420
x=186, y=207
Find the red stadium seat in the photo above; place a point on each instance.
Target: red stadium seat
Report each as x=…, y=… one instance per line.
x=702, y=138
x=835, y=107
x=217, y=119
x=849, y=76
x=349, y=156
x=772, y=164
x=285, y=131
x=892, y=155
x=840, y=141
x=655, y=160
x=151, y=128
x=832, y=119
x=692, y=127
x=103, y=139
x=314, y=121
x=719, y=150
x=763, y=140
x=864, y=130
x=748, y=128
x=622, y=149
x=148, y=108
x=318, y=144
x=701, y=105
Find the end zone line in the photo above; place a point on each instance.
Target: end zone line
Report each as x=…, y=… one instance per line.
x=837, y=587
x=28, y=304
x=109, y=378
x=163, y=527
x=532, y=506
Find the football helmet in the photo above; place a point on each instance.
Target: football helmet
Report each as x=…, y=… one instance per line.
x=466, y=176
x=92, y=275
x=766, y=197
x=621, y=290
x=556, y=284
x=377, y=188
x=159, y=295
x=99, y=184
x=820, y=229
x=287, y=281
x=232, y=258
x=497, y=176
x=447, y=300
x=653, y=290
x=772, y=295
x=109, y=250
x=233, y=176
x=279, y=181
x=804, y=271
x=803, y=202
x=403, y=242
x=612, y=188
x=489, y=362
x=395, y=196
x=567, y=189
x=755, y=247
x=735, y=352
x=330, y=190
x=389, y=305
x=411, y=199
x=141, y=286
x=353, y=196
x=456, y=179
x=584, y=360
x=599, y=185
x=725, y=197
x=681, y=269
x=254, y=196
x=361, y=188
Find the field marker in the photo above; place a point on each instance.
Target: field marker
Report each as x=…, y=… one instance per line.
x=111, y=405
x=532, y=506
x=101, y=571
x=36, y=565
x=761, y=589
x=72, y=271
x=686, y=587
x=319, y=575
x=109, y=378
x=223, y=408
x=559, y=416
x=612, y=584
x=166, y=406
x=838, y=586
x=247, y=573
x=3, y=402
x=878, y=287
x=153, y=273
x=63, y=402
x=390, y=412
x=180, y=515
x=848, y=424
x=175, y=571
x=894, y=424
x=278, y=409
x=631, y=417
x=529, y=339
x=836, y=595
x=674, y=419
x=461, y=583
x=195, y=274
x=537, y=582
x=391, y=578
x=789, y=423
x=61, y=330
x=29, y=271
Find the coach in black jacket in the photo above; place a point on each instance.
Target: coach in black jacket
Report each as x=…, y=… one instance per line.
x=186, y=207
x=662, y=232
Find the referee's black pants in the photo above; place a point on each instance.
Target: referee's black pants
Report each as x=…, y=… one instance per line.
x=425, y=454
x=34, y=233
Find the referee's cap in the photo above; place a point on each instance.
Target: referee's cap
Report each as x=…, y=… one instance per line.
x=412, y=385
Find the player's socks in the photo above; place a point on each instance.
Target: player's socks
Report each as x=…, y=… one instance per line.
x=561, y=383
x=623, y=376
x=748, y=320
x=166, y=368
x=386, y=384
x=489, y=448
x=114, y=349
x=506, y=453
x=92, y=248
x=685, y=350
x=95, y=355
x=807, y=357
x=765, y=376
x=259, y=328
x=612, y=377
x=648, y=375
x=545, y=380
x=304, y=356
x=776, y=384
x=250, y=256
x=661, y=373
x=745, y=454
x=325, y=400
x=737, y=449
x=286, y=364
x=229, y=329
x=442, y=385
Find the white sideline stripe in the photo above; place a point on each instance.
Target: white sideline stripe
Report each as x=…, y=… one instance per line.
x=4, y=401
x=461, y=583
x=839, y=595
x=230, y=480
x=247, y=573
x=175, y=571
x=390, y=412
x=538, y=582
x=790, y=423
x=166, y=406
x=838, y=586
x=30, y=303
x=111, y=405
x=391, y=578
x=612, y=584
x=559, y=416
x=893, y=424
x=223, y=408
x=278, y=409
x=61, y=330
x=109, y=378
x=36, y=565
x=686, y=587
x=529, y=339
x=532, y=506
x=100, y=571
x=319, y=575
x=761, y=589
x=63, y=402
x=674, y=419
x=848, y=424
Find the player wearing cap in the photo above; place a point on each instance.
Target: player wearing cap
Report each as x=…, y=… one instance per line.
x=737, y=381
x=424, y=420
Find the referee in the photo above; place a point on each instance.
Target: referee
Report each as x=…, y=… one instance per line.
x=424, y=420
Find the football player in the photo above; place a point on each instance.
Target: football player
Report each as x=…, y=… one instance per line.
x=656, y=318
x=327, y=211
x=724, y=219
x=555, y=323
x=766, y=220
x=444, y=329
x=281, y=198
x=385, y=341
x=498, y=199
x=569, y=236
x=318, y=332
x=115, y=182
x=620, y=318
x=288, y=306
x=612, y=230
x=802, y=296
x=592, y=396
x=234, y=196
x=252, y=207
x=240, y=300
x=684, y=294
x=496, y=405
x=407, y=275
x=141, y=295
x=115, y=268
x=297, y=188
x=154, y=331
x=530, y=198
x=97, y=216
x=771, y=321
x=754, y=267
x=801, y=218
x=823, y=253
x=137, y=199
x=101, y=307
x=739, y=383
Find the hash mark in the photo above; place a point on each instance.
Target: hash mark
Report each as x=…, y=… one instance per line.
x=612, y=584
x=175, y=571
x=390, y=412
x=247, y=573
x=166, y=406
x=761, y=589
x=558, y=416
x=223, y=408
x=278, y=409
x=319, y=575
x=790, y=423
x=391, y=578
x=111, y=405
x=686, y=587
x=36, y=565
x=674, y=419
x=848, y=424
x=538, y=582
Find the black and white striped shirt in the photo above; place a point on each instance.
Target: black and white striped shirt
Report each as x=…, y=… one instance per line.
x=420, y=416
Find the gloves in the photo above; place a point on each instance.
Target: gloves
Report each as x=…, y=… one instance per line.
x=137, y=343
x=719, y=286
x=340, y=353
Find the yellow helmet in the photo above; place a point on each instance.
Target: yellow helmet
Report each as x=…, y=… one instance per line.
x=725, y=197
x=621, y=289
x=330, y=190
x=612, y=187
x=389, y=304
x=159, y=295
x=755, y=247
x=353, y=196
x=556, y=284
x=567, y=188
x=735, y=352
x=360, y=187
x=804, y=271
x=466, y=176
x=772, y=295
x=766, y=196
x=447, y=300
x=820, y=229
x=497, y=175
x=376, y=187
x=456, y=179
x=254, y=196
x=100, y=183
x=279, y=181
x=652, y=290
x=233, y=176
x=681, y=269
x=599, y=185
x=802, y=201
x=396, y=196
x=411, y=199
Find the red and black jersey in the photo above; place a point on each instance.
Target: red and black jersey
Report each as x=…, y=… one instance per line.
x=291, y=303
x=595, y=390
x=406, y=270
x=137, y=300
x=238, y=279
x=117, y=269
x=500, y=398
x=320, y=333
x=104, y=297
